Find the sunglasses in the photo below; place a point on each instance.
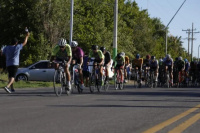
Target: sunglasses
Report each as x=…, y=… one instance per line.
x=61, y=46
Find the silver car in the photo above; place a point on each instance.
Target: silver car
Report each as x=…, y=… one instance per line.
x=39, y=71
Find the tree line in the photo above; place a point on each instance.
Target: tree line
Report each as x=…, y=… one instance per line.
x=49, y=20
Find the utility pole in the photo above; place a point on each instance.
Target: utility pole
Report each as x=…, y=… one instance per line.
x=192, y=38
x=188, y=31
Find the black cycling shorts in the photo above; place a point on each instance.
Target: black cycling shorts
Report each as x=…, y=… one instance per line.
x=12, y=70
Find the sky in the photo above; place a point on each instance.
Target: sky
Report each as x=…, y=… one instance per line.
x=188, y=14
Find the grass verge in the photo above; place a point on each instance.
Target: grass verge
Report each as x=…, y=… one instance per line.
x=23, y=84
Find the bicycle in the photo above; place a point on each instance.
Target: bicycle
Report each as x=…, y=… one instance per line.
x=95, y=79
x=181, y=78
x=106, y=83
x=146, y=76
x=137, y=79
x=119, y=83
x=59, y=80
x=75, y=79
x=152, y=82
x=168, y=83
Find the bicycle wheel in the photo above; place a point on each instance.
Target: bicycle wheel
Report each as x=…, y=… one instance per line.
x=121, y=85
x=136, y=80
x=57, y=83
x=99, y=85
x=92, y=83
x=106, y=85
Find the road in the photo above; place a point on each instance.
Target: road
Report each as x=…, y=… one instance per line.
x=132, y=110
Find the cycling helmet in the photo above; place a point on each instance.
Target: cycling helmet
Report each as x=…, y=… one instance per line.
x=148, y=56
x=94, y=47
x=153, y=57
x=62, y=42
x=119, y=55
x=168, y=56
x=137, y=56
x=123, y=54
x=186, y=60
x=160, y=61
x=180, y=58
x=102, y=49
x=74, y=44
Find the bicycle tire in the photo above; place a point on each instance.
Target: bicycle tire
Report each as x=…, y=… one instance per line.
x=91, y=83
x=57, y=83
x=106, y=86
x=121, y=86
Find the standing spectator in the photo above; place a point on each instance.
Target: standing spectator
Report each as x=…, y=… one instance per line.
x=12, y=53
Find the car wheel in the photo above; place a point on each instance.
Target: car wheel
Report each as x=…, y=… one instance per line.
x=22, y=77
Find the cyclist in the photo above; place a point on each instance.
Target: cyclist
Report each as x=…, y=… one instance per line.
x=127, y=67
x=181, y=66
x=62, y=51
x=137, y=64
x=146, y=65
x=77, y=55
x=154, y=66
x=194, y=70
x=187, y=66
x=168, y=62
x=98, y=58
x=175, y=72
x=161, y=71
x=107, y=61
x=119, y=61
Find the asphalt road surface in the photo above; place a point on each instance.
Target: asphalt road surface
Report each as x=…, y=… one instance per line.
x=132, y=110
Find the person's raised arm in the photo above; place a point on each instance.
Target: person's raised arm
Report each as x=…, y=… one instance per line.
x=26, y=39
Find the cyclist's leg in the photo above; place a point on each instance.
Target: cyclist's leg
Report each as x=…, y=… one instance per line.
x=68, y=76
x=125, y=72
x=156, y=74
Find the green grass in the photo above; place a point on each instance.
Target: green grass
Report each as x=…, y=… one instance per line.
x=23, y=84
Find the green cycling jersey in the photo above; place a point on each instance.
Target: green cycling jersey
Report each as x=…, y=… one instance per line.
x=120, y=61
x=98, y=56
x=58, y=53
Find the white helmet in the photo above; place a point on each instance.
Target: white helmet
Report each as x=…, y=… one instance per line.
x=180, y=58
x=62, y=42
x=168, y=56
x=74, y=44
x=123, y=54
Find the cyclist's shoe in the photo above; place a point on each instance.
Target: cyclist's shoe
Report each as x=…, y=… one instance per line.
x=125, y=81
x=82, y=86
x=7, y=89
x=68, y=87
x=12, y=90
